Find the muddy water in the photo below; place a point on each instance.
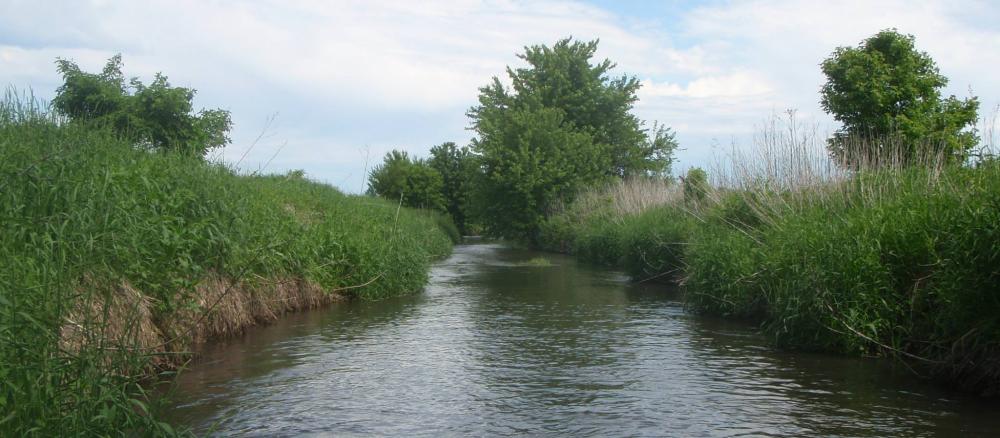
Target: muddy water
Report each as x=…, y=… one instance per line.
x=510, y=342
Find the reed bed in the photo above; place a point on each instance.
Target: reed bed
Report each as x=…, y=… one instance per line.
x=590, y=226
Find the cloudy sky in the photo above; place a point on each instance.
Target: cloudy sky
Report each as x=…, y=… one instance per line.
x=326, y=85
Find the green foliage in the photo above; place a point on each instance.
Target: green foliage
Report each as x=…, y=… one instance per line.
x=653, y=243
x=885, y=88
x=413, y=181
x=722, y=269
x=563, y=77
x=598, y=241
x=909, y=273
x=562, y=125
x=529, y=161
x=157, y=115
x=458, y=170
x=83, y=211
x=695, y=185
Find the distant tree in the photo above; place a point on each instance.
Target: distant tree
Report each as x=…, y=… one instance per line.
x=654, y=156
x=695, y=185
x=458, y=170
x=886, y=89
x=412, y=181
x=562, y=125
x=157, y=115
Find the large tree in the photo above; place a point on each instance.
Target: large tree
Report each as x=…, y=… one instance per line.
x=410, y=181
x=158, y=115
x=563, y=124
x=886, y=92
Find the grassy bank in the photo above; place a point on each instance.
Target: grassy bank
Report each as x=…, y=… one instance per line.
x=898, y=261
x=117, y=260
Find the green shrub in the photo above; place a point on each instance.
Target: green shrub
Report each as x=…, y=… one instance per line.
x=157, y=115
x=695, y=185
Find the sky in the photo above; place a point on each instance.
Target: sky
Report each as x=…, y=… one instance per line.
x=330, y=86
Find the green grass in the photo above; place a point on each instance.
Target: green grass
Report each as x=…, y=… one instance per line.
x=893, y=262
x=83, y=214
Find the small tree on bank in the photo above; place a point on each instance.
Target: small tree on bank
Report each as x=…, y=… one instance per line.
x=157, y=115
x=412, y=181
x=695, y=185
x=885, y=92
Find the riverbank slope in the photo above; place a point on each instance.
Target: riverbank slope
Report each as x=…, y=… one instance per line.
x=118, y=259
x=898, y=262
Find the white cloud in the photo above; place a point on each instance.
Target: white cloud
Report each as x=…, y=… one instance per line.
x=348, y=76
x=739, y=84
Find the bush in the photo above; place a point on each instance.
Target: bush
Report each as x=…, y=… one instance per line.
x=410, y=181
x=695, y=186
x=157, y=115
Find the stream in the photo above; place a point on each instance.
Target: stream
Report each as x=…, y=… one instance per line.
x=506, y=341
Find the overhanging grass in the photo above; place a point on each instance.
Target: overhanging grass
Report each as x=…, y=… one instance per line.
x=901, y=262
x=85, y=215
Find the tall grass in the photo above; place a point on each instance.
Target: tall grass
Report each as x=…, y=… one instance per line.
x=591, y=226
x=115, y=258
x=896, y=255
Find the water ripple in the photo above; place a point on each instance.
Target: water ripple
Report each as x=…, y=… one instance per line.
x=494, y=347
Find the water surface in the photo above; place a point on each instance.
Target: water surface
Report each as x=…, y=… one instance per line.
x=506, y=341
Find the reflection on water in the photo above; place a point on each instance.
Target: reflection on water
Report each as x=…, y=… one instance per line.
x=499, y=346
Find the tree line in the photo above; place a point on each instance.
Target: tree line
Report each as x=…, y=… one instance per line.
x=565, y=123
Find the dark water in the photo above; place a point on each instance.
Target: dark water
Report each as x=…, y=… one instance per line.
x=497, y=345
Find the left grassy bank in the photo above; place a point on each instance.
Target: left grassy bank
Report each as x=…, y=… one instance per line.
x=117, y=259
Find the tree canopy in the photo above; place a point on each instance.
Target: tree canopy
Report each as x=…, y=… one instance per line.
x=530, y=161
x=563, y=124
x=886, y=89
x=157, y=115
x=412, y=181
x=457, y=167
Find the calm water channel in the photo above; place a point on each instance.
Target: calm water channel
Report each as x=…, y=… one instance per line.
x=498, y=344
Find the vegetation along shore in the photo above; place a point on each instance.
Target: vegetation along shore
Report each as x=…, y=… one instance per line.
x=125, y=244
x=879, y=240
x=123, y=247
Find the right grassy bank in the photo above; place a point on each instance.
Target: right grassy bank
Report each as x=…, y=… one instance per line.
x=900, y=262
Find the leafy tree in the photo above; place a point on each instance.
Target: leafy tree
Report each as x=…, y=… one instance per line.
x=886, y=89
x=530, y=159
x=562, y=77
x=458, y=171
x=563, y=124
x=413, y=181
x=157, y=115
